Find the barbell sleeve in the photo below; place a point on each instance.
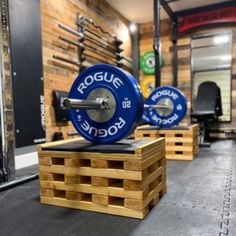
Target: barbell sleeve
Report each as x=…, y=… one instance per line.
x=70, y=30
x=77, y=44
x=83, y=104
x=66, y=60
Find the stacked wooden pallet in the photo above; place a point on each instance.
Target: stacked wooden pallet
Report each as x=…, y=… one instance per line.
x=181, y=142
x=121, y=182
x=223, y=131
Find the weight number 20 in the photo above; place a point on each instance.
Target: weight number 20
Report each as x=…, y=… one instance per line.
x=126, y=104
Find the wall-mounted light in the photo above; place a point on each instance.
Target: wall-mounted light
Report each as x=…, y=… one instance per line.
x=221, y=39
x=133, y=27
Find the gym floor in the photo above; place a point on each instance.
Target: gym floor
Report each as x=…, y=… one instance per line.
x=201, y=200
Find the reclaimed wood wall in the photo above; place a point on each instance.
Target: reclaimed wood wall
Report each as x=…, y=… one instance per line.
x=184, y=59
x=59, y=75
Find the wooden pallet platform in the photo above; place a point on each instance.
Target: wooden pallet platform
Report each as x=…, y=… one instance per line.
x=181, y=142
x=123, y=179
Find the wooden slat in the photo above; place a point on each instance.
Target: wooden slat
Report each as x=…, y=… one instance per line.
x=89, y=206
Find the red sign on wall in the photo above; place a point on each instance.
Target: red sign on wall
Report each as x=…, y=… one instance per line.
x=223, y=15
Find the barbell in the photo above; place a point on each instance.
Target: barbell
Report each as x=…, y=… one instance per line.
x=106, y=104
x=82, y=37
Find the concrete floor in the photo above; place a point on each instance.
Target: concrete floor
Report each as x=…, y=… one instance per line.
x=201, y=200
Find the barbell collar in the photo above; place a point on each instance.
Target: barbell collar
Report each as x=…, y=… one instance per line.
x=98, y=104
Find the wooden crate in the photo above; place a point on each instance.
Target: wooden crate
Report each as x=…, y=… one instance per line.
x=123, y=179
x=181, y=143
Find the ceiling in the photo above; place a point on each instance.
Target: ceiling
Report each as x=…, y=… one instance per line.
x=141, y=11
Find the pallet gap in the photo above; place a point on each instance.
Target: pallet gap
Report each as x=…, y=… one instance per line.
x=58, y=161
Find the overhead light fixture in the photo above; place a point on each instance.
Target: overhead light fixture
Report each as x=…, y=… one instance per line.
x=221, y=39
x=133, y=27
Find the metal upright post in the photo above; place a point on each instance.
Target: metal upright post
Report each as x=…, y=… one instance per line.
x=174, y=21
x=156, y=43
x=175, y=52
x=6, y=101
x=135, y=52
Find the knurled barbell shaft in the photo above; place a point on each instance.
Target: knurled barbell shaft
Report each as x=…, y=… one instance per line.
x=97, y=104
x=156, y=106
x=83, y=104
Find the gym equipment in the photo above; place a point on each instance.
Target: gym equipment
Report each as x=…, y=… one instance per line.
x=10, y=12
x=98, y=60
x=112, y=58
x=82, y=38
x=145, y=117
x=83, y=58
x=106, y=104
x=113, y=100
x=147, y=63
x=86, y=29
x=66, y=60
x=94, y=57
x=114, y=155
x=61, y=114
x=7, y=166
x=170, y=107
x=83, y=19
x=92, y=45
x=83, y=46
x=147, y=85
x=207, y=108
x=127, y=59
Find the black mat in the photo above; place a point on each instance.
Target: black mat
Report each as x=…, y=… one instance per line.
x=124, y=146
x=201, y=201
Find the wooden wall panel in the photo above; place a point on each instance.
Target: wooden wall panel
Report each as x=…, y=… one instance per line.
x=184, y=56
x=58, y=75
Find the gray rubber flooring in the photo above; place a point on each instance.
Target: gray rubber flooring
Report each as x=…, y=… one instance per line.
x=201, y=200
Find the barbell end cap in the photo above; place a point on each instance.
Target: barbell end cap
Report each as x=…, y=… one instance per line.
x=67, y=103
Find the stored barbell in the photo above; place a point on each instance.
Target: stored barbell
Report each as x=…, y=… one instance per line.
x=82, y=37
x=114, y=58
x=98, y=36
x=106, y=104
x=84, y=21
x=90, y=48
